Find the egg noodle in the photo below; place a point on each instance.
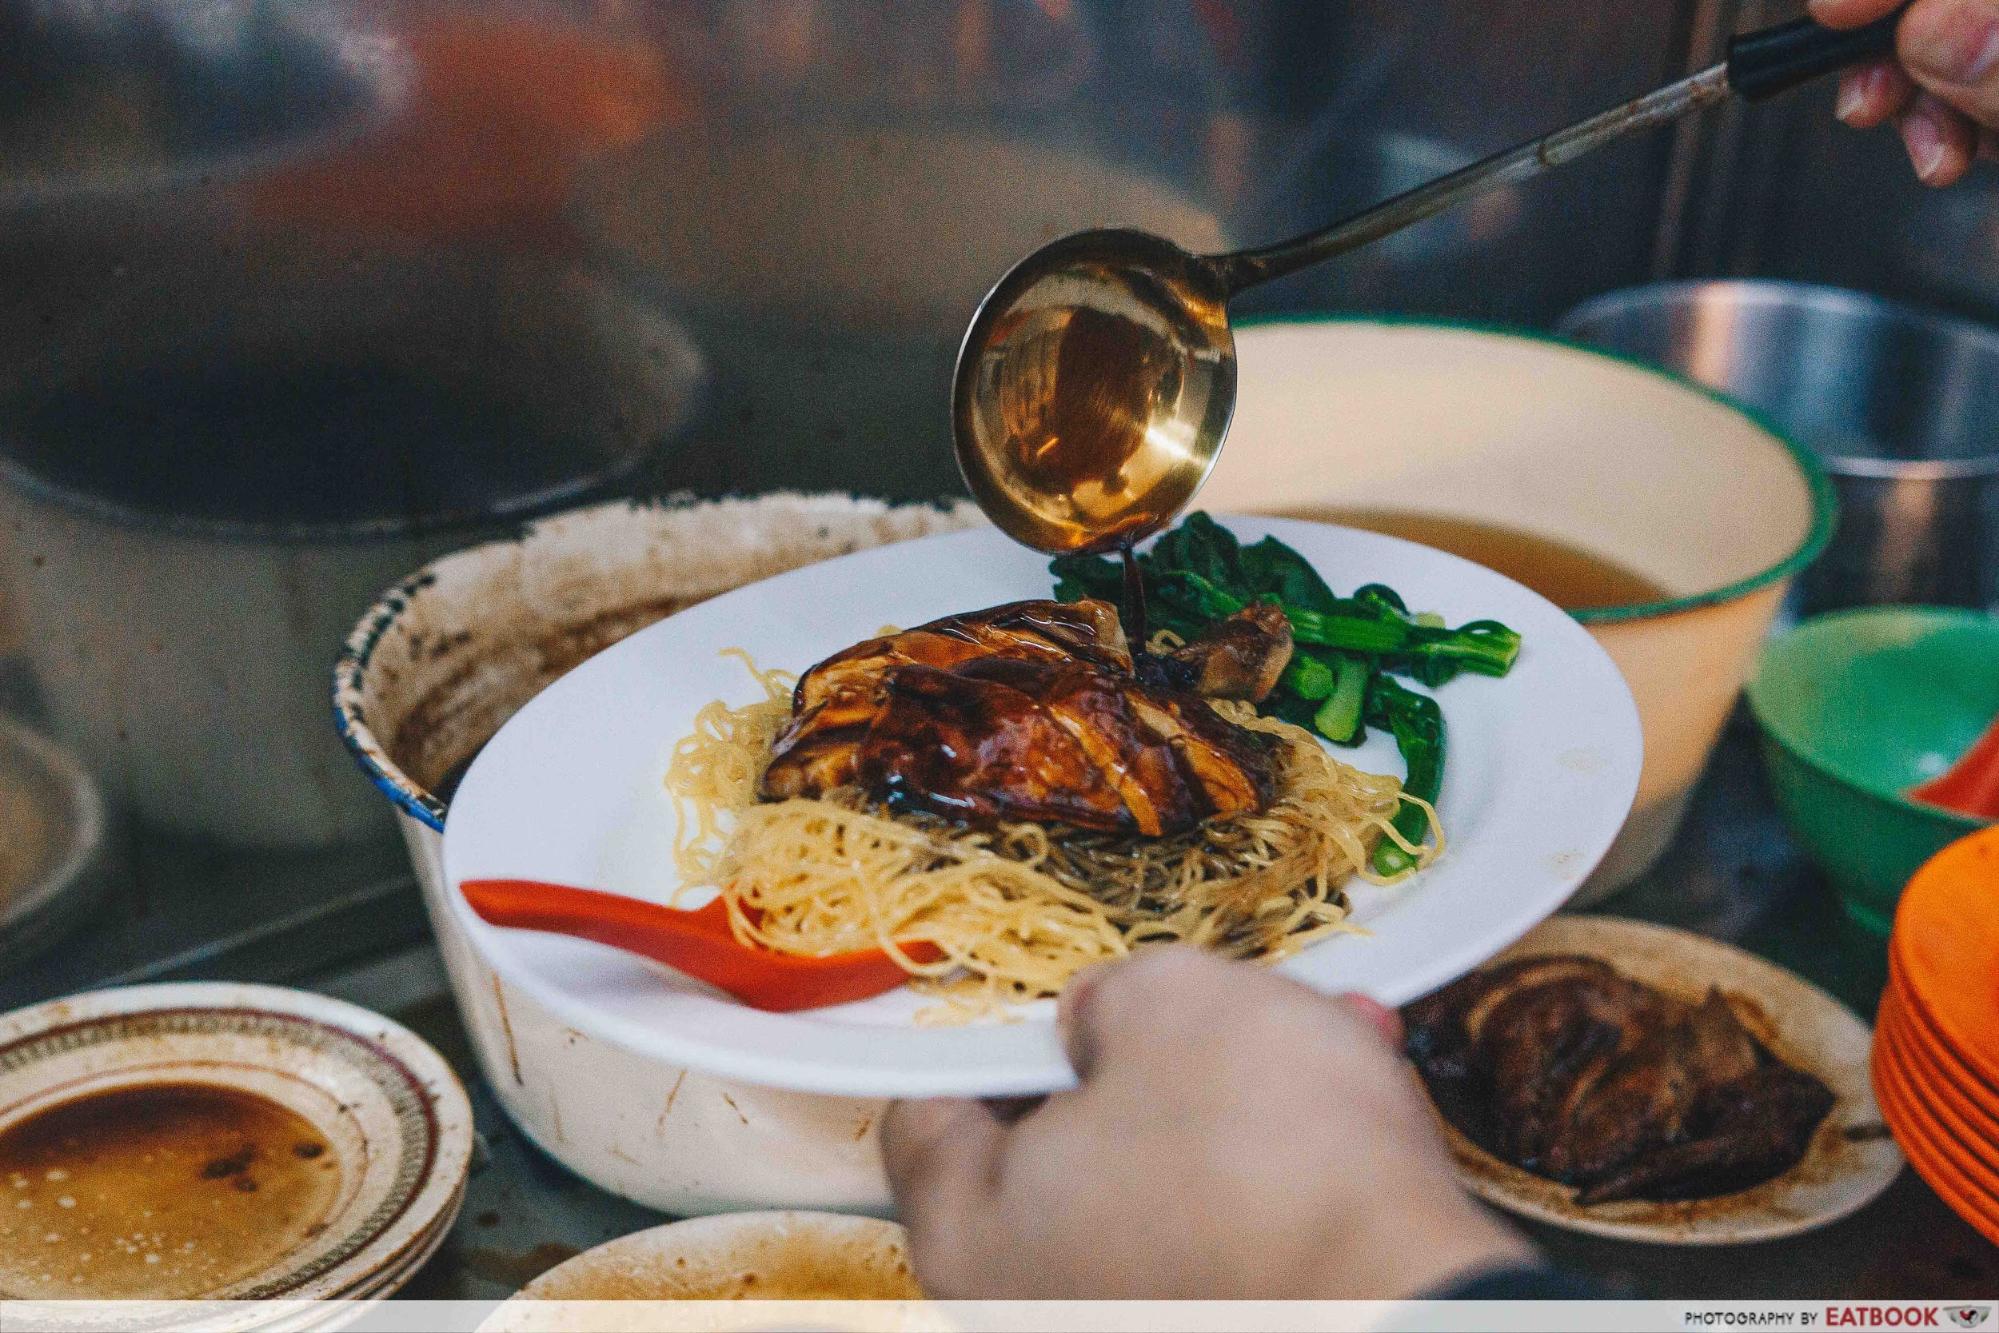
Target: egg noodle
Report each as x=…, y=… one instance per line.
x=1018, y=908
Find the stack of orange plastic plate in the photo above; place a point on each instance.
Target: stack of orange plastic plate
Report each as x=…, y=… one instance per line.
x=1936, y=1040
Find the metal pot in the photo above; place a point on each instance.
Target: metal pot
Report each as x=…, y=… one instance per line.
x=208, y=467
x=1901, y=404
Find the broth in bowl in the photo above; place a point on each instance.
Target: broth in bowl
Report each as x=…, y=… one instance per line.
x=1563, y=572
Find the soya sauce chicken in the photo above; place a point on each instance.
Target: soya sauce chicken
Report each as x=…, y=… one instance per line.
x=1564, y=1067
x=1038, y=711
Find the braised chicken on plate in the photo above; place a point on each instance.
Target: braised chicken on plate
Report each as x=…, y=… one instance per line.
x=1034, y=711
x=1567, y=1068
x=1024, y=791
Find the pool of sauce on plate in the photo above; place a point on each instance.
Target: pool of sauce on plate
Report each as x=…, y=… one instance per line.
x=160, y=1191
x=771, y=1267
x=1568, y=576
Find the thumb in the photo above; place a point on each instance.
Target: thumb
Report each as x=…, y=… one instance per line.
x=943, y=1166
x=1951, y=48
x=939, y=1144
x=1115, y=1009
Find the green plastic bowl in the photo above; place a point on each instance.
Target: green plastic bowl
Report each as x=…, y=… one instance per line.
x=1858, y=706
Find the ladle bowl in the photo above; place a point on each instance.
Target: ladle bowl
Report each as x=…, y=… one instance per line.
x=1094, y=390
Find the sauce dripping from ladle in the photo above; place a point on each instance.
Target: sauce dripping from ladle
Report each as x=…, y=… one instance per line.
x=1134, y=601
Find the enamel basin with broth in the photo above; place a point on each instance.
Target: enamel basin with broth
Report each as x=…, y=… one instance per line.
x=1434, y=431
x=434, y=669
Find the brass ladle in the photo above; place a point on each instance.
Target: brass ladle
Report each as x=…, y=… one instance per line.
x=1096, y=381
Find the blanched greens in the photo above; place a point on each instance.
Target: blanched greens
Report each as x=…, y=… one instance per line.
x=1349, y=650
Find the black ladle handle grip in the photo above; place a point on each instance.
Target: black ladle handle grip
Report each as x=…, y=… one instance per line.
x=1763, y=64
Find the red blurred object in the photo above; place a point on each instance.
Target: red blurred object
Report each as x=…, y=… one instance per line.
x=699, y=943
x=1971, y=786
x=500, y=113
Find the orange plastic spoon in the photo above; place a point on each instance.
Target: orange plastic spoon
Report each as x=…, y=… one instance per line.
x=699, y=943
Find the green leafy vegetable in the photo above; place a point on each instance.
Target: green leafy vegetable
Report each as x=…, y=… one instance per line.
x=1341, y=678
x=1309, y=677
x=1339, y=717
x=1418, y=727
x=1432, y=653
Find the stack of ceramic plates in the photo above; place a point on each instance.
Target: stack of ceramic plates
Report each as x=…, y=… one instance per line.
x=289, y=1154
x=1936, y=1046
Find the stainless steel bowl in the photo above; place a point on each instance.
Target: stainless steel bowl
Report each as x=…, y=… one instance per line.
x=1903, y=405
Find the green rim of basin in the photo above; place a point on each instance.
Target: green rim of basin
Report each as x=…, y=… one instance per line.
x=1858, y=706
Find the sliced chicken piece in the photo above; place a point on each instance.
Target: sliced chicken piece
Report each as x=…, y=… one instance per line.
x=1751, y=1129
x=1648, y=1096
x=1500, y=1086
x=1086, y=631
x=1547, y=1047
x=1029, y=711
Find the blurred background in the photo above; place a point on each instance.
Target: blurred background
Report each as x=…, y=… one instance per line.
x=298, y=295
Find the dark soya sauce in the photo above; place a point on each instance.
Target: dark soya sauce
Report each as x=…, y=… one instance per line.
x=160, y=1191
x=1134, y=601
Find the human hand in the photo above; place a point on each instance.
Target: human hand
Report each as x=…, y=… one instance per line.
x=1941, y=90
x=1235, y=1136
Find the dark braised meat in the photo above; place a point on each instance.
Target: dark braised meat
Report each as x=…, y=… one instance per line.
x=1240, y=657
x=1029, y=711
x=1565, y=1067
x=1755, y=1127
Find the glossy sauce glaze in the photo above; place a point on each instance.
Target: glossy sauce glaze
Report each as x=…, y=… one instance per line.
x=160, y=1191
x=1028, y=711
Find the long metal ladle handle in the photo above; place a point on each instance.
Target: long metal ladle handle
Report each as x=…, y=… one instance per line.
x=1759, y=65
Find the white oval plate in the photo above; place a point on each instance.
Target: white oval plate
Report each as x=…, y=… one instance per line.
x=1541, y=772
x=1851, y=1159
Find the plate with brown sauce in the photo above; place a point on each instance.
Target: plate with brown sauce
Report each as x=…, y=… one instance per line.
x=1636, y=1081
x=221, y=1142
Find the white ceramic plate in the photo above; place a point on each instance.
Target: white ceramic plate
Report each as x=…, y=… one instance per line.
x=1851, y=1159
x=1541, y=773
x=394, y=1121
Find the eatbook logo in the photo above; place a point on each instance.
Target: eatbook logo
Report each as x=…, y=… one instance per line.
x=1968, y=1316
